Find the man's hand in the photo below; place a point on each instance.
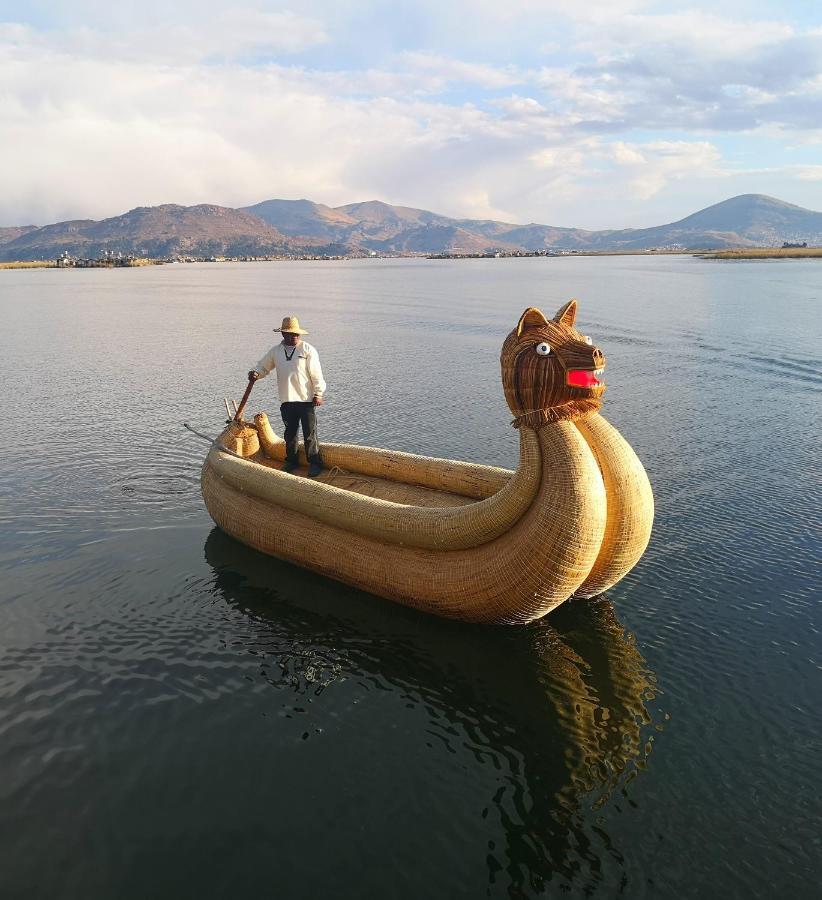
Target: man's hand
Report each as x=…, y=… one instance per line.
x=318, y=401
x=252, y=375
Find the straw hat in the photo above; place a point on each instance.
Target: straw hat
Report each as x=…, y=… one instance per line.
x=292, y=325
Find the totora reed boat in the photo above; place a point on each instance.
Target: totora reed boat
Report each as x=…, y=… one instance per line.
x=458, y=539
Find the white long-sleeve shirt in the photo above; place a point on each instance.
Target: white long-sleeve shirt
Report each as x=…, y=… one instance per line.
x=299, y=378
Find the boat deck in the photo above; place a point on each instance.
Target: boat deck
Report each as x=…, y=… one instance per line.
x=373, y=486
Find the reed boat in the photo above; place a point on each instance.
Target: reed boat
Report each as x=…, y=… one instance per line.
x=451, y=538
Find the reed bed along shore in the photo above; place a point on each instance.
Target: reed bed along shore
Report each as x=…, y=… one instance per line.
x=37, y=264
x=766, y=253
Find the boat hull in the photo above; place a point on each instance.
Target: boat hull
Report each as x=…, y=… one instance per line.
x=516, y=577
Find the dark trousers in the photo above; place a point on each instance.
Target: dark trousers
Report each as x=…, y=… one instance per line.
x=295, y=414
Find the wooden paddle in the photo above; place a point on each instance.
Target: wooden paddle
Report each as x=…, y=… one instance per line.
x=243, y=402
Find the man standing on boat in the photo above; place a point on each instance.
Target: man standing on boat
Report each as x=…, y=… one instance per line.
x=301, y=387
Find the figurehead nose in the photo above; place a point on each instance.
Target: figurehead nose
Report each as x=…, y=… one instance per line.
x=599, y=358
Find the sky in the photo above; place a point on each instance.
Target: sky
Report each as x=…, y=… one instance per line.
x=597, y=115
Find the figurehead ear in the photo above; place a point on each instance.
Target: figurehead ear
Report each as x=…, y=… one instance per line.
x=567, y=314
x=531, y=318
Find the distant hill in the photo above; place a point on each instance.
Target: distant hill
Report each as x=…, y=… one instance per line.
x=372, y=225
x=744, y=221
x=154, y=231
x=302, y=218
x=549, y=237
x=10, y=234
x=755, y=217
x=749, y=220
x=298, y=227
x=381, y=227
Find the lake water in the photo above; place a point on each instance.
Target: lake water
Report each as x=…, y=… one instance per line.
x=183, y=717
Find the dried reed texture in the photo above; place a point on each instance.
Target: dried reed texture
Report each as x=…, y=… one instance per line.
x=519, y=576
x=395, y=491
x=273, y=445
x=241, y=439
x=440, y=528
x=468, y=479
x=630, y=512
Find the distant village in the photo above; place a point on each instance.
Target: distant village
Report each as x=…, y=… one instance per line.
x=554, y=251
x=107, y=260
x=117, y=259
x=110, y=259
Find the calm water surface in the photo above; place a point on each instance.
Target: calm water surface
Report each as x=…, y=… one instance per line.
x=183, y=717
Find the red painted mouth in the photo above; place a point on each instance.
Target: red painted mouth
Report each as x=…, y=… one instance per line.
x=583, y=378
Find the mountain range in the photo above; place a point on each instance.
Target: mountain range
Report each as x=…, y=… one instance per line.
x=302, y=227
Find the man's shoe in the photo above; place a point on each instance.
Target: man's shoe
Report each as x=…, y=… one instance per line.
x=289, y=465
x=314, y=469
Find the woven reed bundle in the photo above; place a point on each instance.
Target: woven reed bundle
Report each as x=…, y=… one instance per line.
x=241, y=439
x=630, y=505
x=503, y=580
x=574, y=517
x=442, y=528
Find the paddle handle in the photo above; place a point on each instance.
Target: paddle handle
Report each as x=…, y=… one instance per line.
x=243, y=402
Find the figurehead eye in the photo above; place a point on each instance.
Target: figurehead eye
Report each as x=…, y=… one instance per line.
x=588, y=340
x=543, y=349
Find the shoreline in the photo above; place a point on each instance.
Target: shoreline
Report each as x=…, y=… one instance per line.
x=748, y=253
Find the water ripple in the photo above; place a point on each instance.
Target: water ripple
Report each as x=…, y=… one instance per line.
x=176, y=706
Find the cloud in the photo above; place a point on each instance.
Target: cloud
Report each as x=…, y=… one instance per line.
x=95, y=136
x=224, y=35
x=611, y=28
x=690, y=70
x=102, y=112
x=648, y=168
x=413, y=75
x=809, y=173
x=448, y=70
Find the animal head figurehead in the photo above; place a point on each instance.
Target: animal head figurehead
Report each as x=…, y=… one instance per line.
x=550, y=371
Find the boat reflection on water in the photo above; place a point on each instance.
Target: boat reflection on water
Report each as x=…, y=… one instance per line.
x=556, y=711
